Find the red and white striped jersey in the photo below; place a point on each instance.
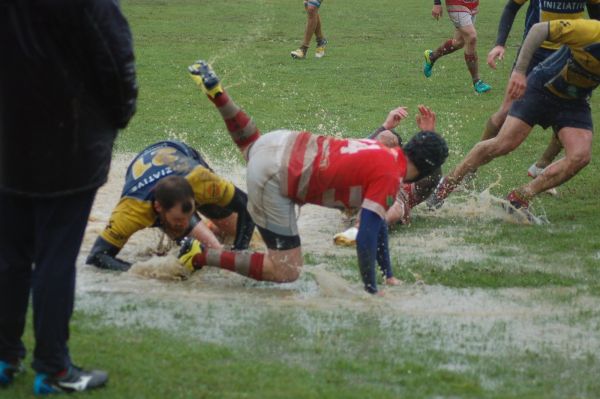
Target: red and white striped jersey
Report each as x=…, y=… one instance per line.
x=341, y=173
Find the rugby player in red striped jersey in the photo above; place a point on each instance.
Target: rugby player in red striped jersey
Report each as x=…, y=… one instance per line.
x=462, y=14
x=288, y=168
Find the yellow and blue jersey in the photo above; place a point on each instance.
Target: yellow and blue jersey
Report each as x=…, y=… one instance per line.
x=166, y=158
x=573, y=72
x=551, y=10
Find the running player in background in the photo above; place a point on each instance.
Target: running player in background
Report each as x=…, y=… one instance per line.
x=165, y=185
x=462, y=14
x=288, y=168
x=313, y=27
x=557, y=94
x=538, y=11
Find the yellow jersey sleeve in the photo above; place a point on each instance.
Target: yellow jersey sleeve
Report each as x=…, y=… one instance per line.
x=574, y=32
x=129, y=216
x=209, y=188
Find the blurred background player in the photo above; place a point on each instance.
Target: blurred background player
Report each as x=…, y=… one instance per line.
x=538, y=11
x=288, y=168
x=557, y=94
x=165, y=185
x=462, y=14
x=313, y=27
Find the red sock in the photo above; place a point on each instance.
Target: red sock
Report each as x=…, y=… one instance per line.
x=249, y=264
x=241, y=127
x=473, y=65
x=446, y=48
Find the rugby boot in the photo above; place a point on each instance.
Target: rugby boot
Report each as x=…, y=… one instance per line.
x=73, y=379
x=346, y=238
x=428, y=65
x=8, y=372
x=441, y=192
x=518, y=204
x=203, y=75
x=320, y=51
x=299, y=54
x=481, y=87
x=189, y=249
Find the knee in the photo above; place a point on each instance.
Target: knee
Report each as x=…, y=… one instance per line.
x=471, y=41
x=312, y=11
x=287, y=273
x=458, y=44
x=579, y=160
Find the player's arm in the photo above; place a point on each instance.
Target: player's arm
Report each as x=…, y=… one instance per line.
x=506, y=22
x=245, y=224
x=436, y=11
x=536, y=36
x=593, y=8
x=209, y=188
x=367, y=241
x=111, y=59
x=129, y=216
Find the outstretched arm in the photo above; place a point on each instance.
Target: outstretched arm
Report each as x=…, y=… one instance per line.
x=506, y=21
x=536, y=36
x=426, y=119
x=103, y=255
x=367, y=242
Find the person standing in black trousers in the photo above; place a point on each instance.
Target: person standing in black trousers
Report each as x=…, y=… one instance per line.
x=67, y=84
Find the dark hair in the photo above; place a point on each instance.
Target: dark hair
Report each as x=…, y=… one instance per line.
x=427, y=151
x=173, y=190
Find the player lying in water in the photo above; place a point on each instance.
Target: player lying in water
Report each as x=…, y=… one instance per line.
x=288, y=168
x=165, y=185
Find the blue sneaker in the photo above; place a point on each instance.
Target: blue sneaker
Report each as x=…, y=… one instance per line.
x=74, y=379
x=203, y=75
x=481, y=87
x=428, y=66
x=8, y=372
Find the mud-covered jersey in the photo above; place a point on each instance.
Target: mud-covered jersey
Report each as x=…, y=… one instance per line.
x=166, y=158
x=551, y=10
x=573, y=72
x=341, y=173
x=470, y=6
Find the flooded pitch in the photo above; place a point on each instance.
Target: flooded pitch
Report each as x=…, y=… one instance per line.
x=216, y=305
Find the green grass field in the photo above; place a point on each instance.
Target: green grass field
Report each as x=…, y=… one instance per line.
x=489, y=309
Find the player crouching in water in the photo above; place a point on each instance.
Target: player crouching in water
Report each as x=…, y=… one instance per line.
x=286, y=168
x=410, y=194
x=165, y=185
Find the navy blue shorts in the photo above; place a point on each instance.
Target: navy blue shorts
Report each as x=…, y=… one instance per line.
x=540, y=107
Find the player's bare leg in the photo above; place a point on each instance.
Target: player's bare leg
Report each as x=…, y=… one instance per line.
x=312, y=23
x=469, y=36
x=513, y=132
x=494, y=123
x=241, y=127
x=578, y=150
x=447, y=47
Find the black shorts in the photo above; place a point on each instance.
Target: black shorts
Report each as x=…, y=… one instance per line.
x=541, y=107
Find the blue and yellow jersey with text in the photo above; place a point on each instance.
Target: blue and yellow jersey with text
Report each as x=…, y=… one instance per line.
x=166, y=158
x=573, y=72
x=551, y=10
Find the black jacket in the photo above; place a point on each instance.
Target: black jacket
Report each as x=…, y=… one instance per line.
x=67, y=84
